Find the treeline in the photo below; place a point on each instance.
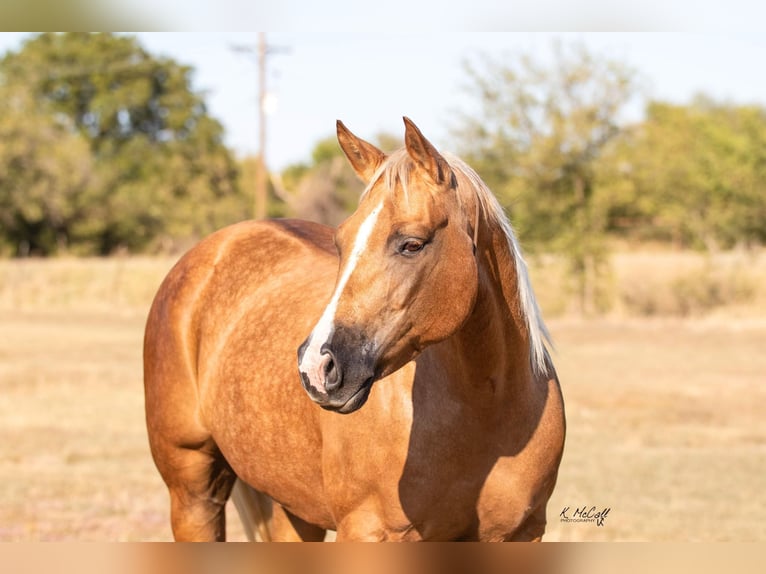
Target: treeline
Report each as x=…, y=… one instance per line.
x=553, y=142
x=693, y=175
x=105, y=147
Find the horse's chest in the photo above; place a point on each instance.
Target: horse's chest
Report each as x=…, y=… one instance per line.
x=437, y=490
x=460, y=475
x=458, y=502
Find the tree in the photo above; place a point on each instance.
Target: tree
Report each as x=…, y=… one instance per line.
x=537, y=141
x=276, y=204
x=46, y=177
x=160, y=169
x=326, y=189
x=697, y=172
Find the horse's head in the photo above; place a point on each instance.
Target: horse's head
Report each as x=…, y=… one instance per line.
x=408, y=276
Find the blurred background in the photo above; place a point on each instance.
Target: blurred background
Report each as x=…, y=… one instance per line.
x=633, y=167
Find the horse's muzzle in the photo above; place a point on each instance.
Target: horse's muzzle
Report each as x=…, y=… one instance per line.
x=339, y=375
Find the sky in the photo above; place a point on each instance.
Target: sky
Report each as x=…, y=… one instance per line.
x=371, y=80
x=443, y=15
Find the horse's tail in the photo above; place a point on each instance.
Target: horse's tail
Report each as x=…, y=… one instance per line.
x=254, y=510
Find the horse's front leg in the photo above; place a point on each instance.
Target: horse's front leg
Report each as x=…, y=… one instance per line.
x=199, y=482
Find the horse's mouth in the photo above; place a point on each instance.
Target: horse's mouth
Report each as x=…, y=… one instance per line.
x=355, y=401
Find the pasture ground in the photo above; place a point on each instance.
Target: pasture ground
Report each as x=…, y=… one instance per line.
x=666, y=416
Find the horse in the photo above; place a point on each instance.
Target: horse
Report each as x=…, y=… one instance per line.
x=423, y=405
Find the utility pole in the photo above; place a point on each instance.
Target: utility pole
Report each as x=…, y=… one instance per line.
x=261, y=51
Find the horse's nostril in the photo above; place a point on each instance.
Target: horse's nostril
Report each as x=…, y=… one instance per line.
x=329, y=366
x=332, y=374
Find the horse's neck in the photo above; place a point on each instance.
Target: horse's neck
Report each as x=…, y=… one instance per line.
x=491, y=350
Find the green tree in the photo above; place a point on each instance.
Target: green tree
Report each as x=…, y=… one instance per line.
x=160, y=169
x=46, y=176
x=276, y=204
x=537, y=140
x=326, y=189
x=697, y=173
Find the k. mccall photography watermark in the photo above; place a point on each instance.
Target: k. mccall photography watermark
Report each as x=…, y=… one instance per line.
x=584, y=514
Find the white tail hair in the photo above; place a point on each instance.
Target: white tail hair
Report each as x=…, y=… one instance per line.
x=254, y=510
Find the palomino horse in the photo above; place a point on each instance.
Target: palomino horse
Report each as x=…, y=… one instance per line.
x=429, y=405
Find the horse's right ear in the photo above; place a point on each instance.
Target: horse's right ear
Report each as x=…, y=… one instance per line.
x=364, y=157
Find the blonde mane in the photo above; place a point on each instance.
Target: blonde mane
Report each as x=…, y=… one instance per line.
x=398, y=167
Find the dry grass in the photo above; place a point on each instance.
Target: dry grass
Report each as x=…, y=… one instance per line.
x=665, y=415
x=666, y=427
x=88, y=284
x=662, y=284
x=76, y=466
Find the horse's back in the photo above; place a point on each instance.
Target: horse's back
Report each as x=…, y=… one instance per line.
x=221, y=341
x=241, y=260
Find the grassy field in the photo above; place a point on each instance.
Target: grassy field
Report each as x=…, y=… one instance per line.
x=665, y=415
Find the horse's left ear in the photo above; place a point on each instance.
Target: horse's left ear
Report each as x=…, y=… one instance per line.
x=425, y=155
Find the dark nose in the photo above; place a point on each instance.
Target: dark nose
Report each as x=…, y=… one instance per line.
x=333, y=375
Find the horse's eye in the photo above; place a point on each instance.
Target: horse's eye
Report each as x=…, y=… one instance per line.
x=411, y=246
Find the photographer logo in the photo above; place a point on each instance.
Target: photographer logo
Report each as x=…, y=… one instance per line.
x=585, y=514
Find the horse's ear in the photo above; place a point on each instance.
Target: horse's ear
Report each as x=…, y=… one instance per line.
x=425, y=155
x=364, y=157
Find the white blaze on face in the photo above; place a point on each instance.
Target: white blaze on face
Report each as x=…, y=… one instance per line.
x=312, y=363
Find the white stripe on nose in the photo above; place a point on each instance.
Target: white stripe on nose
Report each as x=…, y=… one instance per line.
x=311, y=363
